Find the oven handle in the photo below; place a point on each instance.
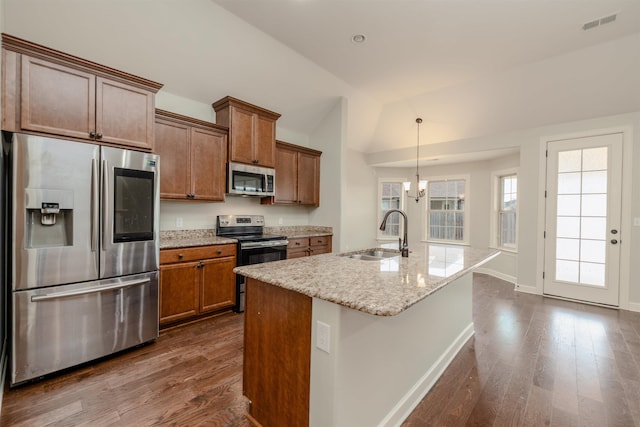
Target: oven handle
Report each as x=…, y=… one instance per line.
x=264, y=244
x=57, y=295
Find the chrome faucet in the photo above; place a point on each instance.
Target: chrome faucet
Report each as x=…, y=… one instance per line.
x=403, y=246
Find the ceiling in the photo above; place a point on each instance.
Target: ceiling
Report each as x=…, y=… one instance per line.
x=469, y=68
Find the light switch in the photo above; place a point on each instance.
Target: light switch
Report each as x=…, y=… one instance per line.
x=636, y=222
x=179, y=222
x=323, y=336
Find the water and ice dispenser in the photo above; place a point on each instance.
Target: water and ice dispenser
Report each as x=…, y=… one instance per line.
x=49, y=218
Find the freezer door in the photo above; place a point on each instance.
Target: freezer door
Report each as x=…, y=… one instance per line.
x=130, y=211
x=54, y=211
x=62, y=326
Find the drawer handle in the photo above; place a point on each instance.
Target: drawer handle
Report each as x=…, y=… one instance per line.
x=180, y=256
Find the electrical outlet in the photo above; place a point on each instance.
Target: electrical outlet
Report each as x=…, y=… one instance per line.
x=636, y=222
x=279, y=221
x=323, y=336
x=179, y=222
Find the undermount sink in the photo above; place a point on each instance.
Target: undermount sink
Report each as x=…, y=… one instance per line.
x=375, y=254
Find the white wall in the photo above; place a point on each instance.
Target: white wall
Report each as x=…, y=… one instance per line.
x=330, y=138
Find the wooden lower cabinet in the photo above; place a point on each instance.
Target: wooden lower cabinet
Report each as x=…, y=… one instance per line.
x=196, y=281
x=307, y=246
x=277, y=355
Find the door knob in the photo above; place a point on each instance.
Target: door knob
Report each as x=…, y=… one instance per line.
x=614, y=231
x=614, y=241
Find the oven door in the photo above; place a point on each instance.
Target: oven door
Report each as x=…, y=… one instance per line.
x=130, y=202
x=259, y=252
x=256, y=253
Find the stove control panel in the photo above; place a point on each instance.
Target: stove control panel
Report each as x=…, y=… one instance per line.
x=240, y=221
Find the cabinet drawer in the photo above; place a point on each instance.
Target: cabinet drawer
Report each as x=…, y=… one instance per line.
x=168, y=256
x=319, y=240
x=298, y=243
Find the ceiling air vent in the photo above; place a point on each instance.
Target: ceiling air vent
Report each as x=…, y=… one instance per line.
x=601, y=21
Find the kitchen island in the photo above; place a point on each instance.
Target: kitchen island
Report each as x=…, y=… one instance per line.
x=354, y=339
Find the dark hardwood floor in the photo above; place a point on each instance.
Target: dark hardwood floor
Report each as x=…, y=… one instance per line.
x=534, y=361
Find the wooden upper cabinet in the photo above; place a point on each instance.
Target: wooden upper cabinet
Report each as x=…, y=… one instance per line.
x=124, y=114
x=252, y=131
x=208, y=164
x=265, y=138
x=308, y=179
x=172, y=143
x=286, y=175
x=297, y=175
x=50, y=92
x=192, y=157
x=56, y=99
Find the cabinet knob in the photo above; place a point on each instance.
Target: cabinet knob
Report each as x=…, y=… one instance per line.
x=255, y=161
x=219, y=252
x=297, y=243
x=99, y=135
x=180, y=256
x=92, y=134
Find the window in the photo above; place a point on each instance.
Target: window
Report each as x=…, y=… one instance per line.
x=504, y=223
x=446, y=210
x=390, y=196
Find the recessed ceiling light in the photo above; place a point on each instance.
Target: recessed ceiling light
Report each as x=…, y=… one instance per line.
x=358, y=38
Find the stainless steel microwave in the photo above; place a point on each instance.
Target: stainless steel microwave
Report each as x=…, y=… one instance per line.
x=247, y=180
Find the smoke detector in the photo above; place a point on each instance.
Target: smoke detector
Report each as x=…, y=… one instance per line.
x=600, y=21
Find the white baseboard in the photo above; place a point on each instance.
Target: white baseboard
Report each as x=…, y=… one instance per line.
x=633, y=306
x=527, y=289
x=420, y=389
x=496, y=274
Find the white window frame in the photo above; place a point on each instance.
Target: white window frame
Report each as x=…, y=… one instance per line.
x=379, y=234
x=496, y=193
x=467, y=209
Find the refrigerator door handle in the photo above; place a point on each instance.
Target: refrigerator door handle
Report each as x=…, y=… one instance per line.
x=105, y=202
x=58, y=295
x=95, y=188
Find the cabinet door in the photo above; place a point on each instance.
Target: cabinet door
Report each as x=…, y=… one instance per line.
x=172, y=144
x=56, y=99
x=308, y=179
x=178, y=291
x=297, y=253
x=124, y=114
x=265, y=142
x=217, y=284
x=286, y=176
x=208, y=172
x=241, y=134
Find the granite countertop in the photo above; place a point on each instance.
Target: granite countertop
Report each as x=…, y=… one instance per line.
x=174, y=239
x=299, y=231
x=382, y=288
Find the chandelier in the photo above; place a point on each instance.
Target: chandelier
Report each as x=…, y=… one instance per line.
x=421, y=186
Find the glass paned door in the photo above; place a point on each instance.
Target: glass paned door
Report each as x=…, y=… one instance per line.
x=584, y=177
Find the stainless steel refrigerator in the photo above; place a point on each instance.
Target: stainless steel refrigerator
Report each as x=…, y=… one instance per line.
x=84, y=258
